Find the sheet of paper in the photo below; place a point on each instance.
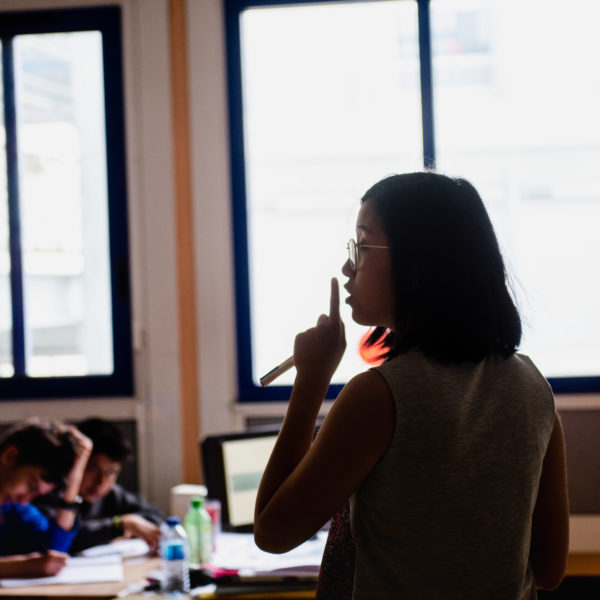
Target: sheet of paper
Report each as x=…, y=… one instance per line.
x=126, y=548
x=238, y=551
x=79, y=569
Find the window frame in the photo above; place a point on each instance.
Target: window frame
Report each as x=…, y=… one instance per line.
x=248, y=392
x=106, y=20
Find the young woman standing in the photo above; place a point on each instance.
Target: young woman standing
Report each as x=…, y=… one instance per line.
x=451, y=451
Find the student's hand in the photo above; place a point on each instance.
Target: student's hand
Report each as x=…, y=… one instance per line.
x=318, y=351
x=83, y=449
x=43, y=565
x=136, y=526
x=65, y=517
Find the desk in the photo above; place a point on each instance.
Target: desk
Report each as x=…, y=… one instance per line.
x=578, y=565
x=133, y=572
x=297, y=595
x=581, y=564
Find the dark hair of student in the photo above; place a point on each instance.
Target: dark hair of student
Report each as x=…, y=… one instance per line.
x=452, y=298
x=107, y=438
x=43, y=443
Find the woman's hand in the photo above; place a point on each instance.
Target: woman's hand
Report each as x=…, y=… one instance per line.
x=317, y=354
x=318, y=350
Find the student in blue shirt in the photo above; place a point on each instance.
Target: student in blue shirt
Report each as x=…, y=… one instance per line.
x=37, y=456
x=108, y=511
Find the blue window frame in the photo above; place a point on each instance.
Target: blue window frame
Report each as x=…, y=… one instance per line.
x=65, y=323
x=286, y=67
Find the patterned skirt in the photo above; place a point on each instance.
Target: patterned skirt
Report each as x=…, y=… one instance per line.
x=336, y=576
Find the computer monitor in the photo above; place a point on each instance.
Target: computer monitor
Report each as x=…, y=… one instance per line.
x=233, y=467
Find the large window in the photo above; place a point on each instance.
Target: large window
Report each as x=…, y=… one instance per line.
x=328, y=97
x=64, y=299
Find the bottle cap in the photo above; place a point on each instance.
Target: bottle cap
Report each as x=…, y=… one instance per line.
x=172, y=521
x=197, y=502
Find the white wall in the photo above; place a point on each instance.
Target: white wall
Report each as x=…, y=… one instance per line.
x=212, y=206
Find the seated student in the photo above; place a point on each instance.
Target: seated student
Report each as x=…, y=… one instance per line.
x=108, y=511
x=37, y=456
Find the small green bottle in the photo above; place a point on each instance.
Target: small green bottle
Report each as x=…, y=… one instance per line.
x=198, y=526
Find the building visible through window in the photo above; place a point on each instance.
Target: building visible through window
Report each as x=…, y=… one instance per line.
x=63, y=243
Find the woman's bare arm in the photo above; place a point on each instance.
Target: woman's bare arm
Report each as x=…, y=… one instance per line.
x=550, y=532
x=305, y=484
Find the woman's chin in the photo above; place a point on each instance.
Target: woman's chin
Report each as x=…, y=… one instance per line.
x=359, y=319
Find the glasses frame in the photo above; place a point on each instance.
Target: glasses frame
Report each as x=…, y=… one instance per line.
x=353, y=248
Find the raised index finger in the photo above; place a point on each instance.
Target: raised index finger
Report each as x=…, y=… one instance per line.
x=334, y=302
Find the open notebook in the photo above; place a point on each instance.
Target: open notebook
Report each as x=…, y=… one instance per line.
x=238, y=552
x=79, y=569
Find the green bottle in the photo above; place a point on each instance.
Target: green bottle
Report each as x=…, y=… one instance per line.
x=198, y=526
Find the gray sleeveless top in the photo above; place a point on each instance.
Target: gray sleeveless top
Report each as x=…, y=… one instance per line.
x=446, y=513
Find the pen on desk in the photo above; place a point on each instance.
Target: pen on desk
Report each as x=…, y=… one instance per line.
x=277, y=371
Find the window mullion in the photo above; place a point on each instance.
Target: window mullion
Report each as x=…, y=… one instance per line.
x=12, y=176
x=426, y=84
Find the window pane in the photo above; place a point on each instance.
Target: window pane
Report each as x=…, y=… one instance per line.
x=6, y=360
x=516, y=112
x=331, y=104
x=63, y=192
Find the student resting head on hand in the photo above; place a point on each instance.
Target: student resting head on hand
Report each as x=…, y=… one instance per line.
x=108, y=511
x=38, y=456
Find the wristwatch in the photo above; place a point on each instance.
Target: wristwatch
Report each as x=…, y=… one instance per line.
x=117, y=522
x=62, y=503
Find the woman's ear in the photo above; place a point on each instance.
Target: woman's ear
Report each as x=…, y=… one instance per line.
x=9, y=456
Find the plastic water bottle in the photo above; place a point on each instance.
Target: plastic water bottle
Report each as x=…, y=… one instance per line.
x=198, y=526
x=174, y=553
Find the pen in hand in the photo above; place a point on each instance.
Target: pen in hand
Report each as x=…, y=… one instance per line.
x=334, y=314
x=273, y=374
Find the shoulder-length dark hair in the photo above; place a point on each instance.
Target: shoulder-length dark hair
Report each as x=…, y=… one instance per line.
x=46, y=443
x=452, y=298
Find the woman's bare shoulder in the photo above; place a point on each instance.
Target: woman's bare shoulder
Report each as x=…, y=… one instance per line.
x=368, y=385
x=367, y=402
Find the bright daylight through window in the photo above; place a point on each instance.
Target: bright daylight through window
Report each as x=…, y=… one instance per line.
x=56, y=286
x=331, y=100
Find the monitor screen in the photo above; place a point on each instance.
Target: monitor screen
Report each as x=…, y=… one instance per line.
x=244, y=461
x=233, y=467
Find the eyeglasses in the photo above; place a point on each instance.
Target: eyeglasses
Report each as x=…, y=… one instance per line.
x=95, y=470
x=353, y=248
